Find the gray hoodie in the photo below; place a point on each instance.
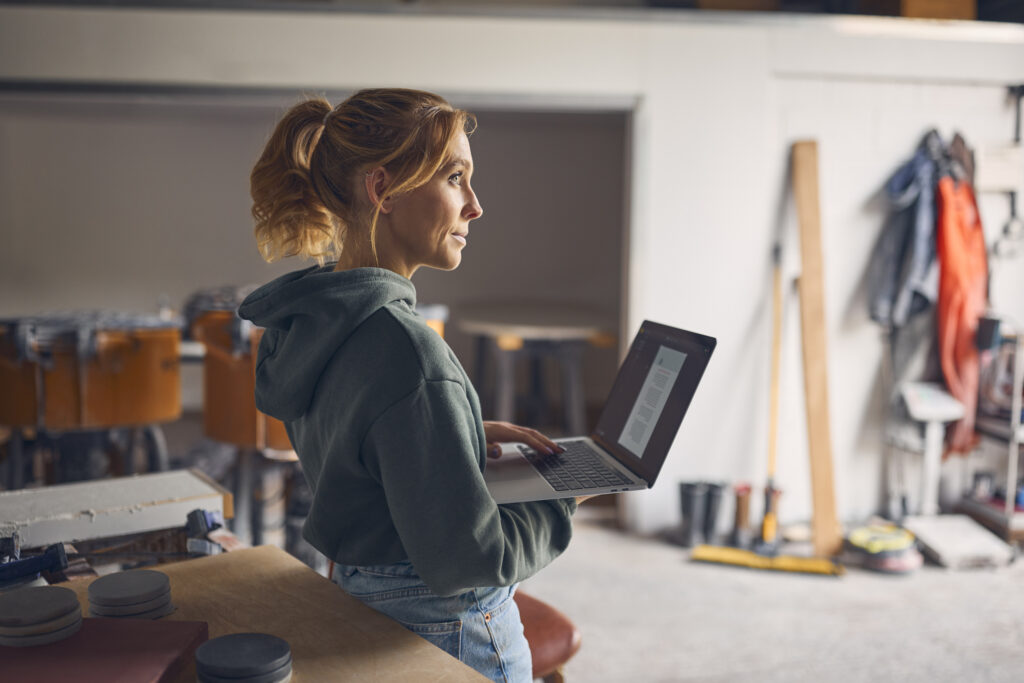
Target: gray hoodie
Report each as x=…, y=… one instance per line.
x=389, y=432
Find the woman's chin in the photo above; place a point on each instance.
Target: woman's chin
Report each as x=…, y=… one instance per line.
x=450, y=263
x=454, y=260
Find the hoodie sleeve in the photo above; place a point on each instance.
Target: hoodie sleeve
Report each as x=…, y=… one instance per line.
x=424, y=450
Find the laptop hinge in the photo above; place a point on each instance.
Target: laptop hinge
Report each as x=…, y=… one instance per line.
x=603, y=444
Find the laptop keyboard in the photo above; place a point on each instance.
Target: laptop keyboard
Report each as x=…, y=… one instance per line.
x=579, y=467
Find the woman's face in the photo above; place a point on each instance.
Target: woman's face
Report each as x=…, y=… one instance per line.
x=430, y=225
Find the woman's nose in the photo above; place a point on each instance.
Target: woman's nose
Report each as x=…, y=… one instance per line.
x=473, y=209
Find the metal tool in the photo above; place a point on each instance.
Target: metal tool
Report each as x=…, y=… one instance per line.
x=54, y=558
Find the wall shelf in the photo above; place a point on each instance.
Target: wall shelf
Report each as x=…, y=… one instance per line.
x=1004, y=518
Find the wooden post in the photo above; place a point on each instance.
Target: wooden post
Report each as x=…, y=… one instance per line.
x=824, y=525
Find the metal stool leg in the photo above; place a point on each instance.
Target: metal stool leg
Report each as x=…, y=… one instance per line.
x=269, y=524
x=537, y=399
x=242, y=524
x=129, y=451
x=483, y=348
x=156, y=443
x=572, y=388
x=15, y=461
x=505, y=388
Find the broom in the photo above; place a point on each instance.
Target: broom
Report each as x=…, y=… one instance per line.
x=764, y=556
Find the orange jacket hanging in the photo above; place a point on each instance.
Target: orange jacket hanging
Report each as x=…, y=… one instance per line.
x=963, y=279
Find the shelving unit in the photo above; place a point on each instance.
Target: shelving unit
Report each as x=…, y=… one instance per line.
x=1006, y=520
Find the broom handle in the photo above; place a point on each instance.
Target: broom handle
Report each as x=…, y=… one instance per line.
x=773, y=419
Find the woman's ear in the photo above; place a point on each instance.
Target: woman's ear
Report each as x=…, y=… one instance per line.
x=376, y=182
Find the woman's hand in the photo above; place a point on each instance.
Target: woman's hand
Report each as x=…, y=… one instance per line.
x=503, y=432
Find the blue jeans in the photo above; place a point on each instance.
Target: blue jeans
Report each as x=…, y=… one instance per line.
x=480, y=627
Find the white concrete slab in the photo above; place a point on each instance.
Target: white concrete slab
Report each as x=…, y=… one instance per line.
x=109, y=507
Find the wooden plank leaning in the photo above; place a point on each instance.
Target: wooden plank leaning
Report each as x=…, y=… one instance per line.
x=827, y=534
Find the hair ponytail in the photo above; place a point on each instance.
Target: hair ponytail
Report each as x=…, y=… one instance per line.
x=305, y=185
x=291, y=218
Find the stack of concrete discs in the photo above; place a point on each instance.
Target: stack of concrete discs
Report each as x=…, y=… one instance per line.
x=244, y=658
x=38, y=615
x=138, y=594
x=884, y=548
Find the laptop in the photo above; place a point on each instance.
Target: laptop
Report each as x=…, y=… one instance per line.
x=638, y=423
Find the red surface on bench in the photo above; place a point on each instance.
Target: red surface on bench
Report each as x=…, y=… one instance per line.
x=109, y=651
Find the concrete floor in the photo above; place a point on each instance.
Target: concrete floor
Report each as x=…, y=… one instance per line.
x=648, y=614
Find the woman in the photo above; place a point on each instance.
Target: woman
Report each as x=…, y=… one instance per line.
x=378, y=408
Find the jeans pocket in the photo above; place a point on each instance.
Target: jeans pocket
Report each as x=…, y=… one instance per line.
x=446, y=635
x=370, y=586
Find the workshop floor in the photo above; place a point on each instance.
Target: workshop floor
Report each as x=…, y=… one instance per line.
x=648, y=614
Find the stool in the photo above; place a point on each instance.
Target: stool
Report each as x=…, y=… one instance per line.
x=79, y=381
x=509, y=332
x=932, y=405
x=264, y=453
x=552, y=637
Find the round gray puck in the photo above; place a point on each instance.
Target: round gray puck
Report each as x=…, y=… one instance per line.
x=151, y=614
x=126, y=588
x=242, y=655
x=282, y=675
x=23, y=582
x=134, y=608
x=44, y=627
x=42, y=638
x=36, y=605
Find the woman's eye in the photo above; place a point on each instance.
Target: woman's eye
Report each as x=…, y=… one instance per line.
x=455, y=178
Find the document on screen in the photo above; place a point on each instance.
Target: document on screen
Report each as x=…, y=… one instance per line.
x=651, y=400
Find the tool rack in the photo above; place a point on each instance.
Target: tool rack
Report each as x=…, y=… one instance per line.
x=1008, y=522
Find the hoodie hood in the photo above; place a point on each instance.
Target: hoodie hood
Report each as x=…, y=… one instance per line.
x=307, y=315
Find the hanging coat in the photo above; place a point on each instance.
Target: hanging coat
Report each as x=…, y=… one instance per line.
x=963, y=275
x=903, y=276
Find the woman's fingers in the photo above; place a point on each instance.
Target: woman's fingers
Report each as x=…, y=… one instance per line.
x=539, y=442
x=506, y=431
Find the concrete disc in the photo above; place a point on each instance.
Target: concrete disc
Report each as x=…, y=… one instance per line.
x=44, y=627
x=242, y=655
x=42, y=638
x=134, y=608
x=22, y=582
x=126, y=588
x=36, y=605
x=151, y=614
x=282, y=675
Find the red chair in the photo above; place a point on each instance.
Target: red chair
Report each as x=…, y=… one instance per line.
x=552, y=637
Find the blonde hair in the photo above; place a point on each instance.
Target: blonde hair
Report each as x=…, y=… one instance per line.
x=302, y=186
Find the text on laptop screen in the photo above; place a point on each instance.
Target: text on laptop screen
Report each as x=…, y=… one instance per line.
x=661, y=377
x=652, y=392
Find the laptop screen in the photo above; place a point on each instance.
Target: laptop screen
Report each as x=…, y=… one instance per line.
x=650, y=396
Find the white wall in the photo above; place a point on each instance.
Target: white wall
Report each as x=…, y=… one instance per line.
x=719, y=100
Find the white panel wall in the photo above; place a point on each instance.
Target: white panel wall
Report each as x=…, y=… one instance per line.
x=719, y=99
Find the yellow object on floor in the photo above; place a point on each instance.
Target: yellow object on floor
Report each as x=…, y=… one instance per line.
x=783, y=563
x=881, y=538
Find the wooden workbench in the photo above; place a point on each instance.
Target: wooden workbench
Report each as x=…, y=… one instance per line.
x=333, y=636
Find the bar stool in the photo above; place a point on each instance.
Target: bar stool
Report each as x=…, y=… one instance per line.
x=932, y=405
x=552, y=637
x=79, y=381
x=504, y=334
x=264, y=453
